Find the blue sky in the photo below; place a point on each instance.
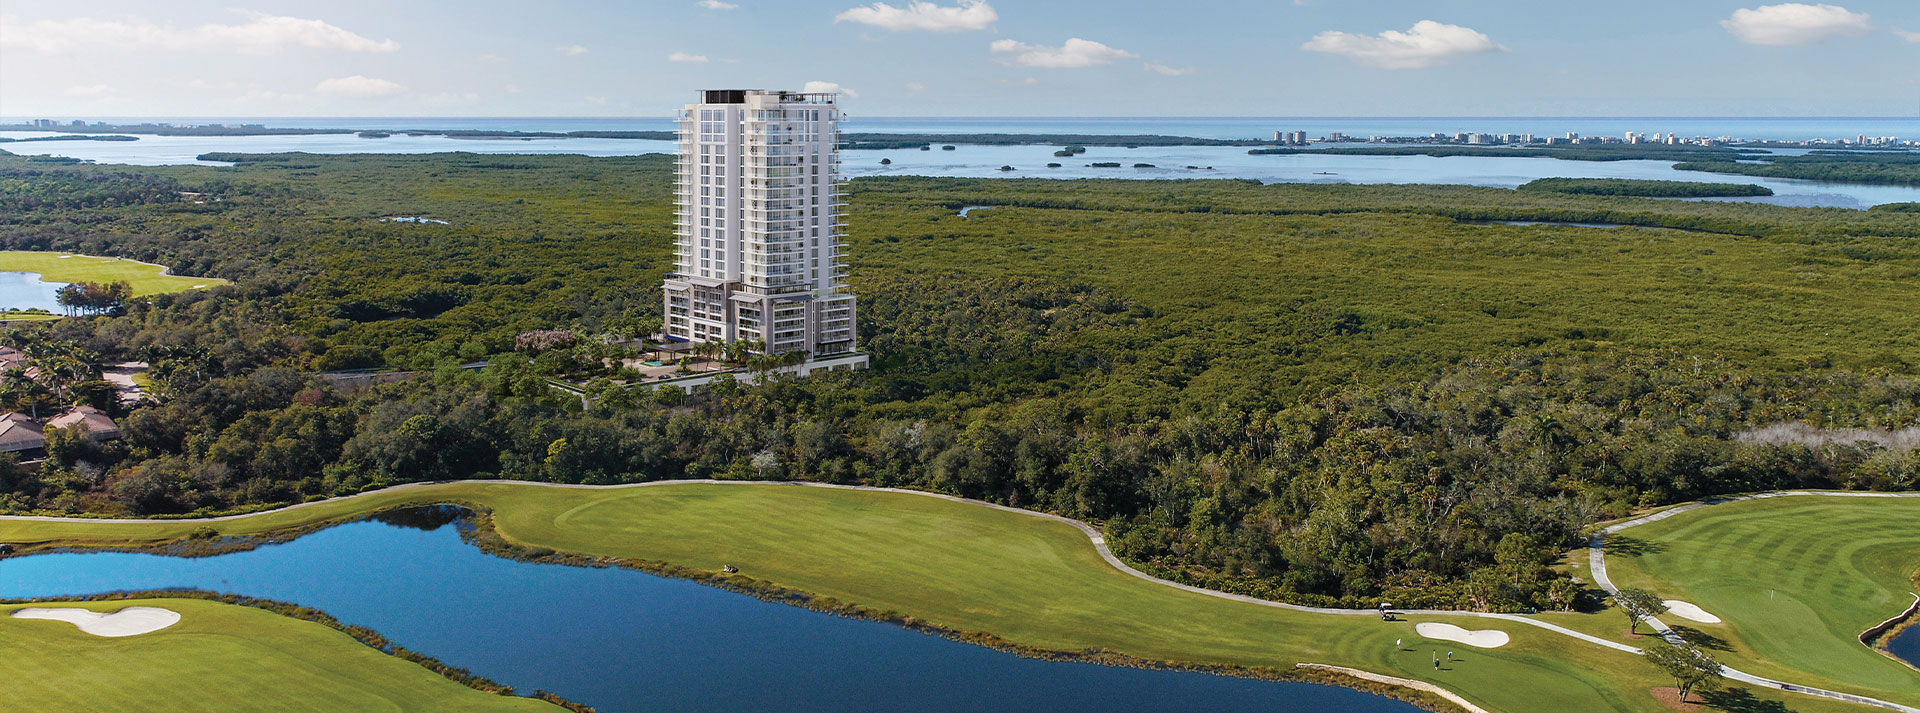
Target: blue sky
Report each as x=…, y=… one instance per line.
x=965, y=57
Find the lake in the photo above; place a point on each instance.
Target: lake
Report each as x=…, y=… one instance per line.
x=621, y=640
x=976, y=161
x=1907, y=645
x=25, y=290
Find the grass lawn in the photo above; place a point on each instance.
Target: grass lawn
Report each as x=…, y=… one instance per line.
x=220, y=657
x=1032, y=581
x=26, y=317
x=64, y=267
x=1795, y=579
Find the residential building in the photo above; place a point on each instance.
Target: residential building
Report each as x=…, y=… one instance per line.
x=11, y=358
x=96, y=424
x=20, y=433
x=758, y=225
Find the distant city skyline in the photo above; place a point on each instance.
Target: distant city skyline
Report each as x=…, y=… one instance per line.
x=1306, y=58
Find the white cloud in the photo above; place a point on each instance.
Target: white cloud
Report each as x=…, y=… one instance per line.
x=573, y=50
x=89, y=90
x=1075, y=53
x=1162, y=69
x=1424, y=45
x=358, y=87
x=1908, y=36
x=1794, y=24
x=263, y=34
x=684, y=57
x=817, y=87
x=717, y=5
x=918, y=15
x=916, y=87
x=596, y=101
x=491, y=58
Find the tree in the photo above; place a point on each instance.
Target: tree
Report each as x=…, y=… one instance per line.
x=19, y=393
x=1690, y=666
x=96, y=393
x=93, y=297
x=1638, y=604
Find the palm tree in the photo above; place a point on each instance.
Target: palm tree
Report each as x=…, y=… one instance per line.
x=17, y=392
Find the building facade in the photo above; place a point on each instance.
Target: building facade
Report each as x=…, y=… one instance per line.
x=758, y=226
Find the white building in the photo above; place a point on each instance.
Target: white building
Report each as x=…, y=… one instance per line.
x=758, y=224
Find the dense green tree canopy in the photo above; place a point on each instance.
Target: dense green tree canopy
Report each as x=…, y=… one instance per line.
x=1328, y=394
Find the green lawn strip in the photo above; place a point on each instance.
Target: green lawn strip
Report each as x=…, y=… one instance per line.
x=220, y=657
x=1795, y=579
x=1030, y=581
x=66, y=267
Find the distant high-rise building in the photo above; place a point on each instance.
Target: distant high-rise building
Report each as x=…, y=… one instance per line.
x=757, y=232
x=1300, y=137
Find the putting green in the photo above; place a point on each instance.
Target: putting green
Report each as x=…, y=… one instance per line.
x=1029, y=580
x=220, y=657
x=145, y=279
x=1794, y=579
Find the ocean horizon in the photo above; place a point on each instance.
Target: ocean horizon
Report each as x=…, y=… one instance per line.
x=1222, y=127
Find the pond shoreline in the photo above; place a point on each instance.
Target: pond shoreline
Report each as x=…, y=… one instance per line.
x=479, y=531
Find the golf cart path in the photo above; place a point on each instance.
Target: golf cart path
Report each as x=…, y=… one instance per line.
x=1597, y=562
x=1099, y=541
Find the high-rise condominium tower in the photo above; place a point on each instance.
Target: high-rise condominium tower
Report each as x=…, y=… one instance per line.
x=758, y=224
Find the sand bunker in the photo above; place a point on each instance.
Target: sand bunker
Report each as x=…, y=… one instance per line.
x=1690, y=612
x=1483, y=638
x=131, y=621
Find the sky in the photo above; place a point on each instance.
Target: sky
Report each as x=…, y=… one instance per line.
x=267, y=58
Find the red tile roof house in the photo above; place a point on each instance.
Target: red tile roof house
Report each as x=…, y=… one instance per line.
x=92, y=421
x=19, y=433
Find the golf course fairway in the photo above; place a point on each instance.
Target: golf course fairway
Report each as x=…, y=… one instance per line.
x=1795, y=579
x=220, y=657
x=144, y=278
x=1031, y=581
